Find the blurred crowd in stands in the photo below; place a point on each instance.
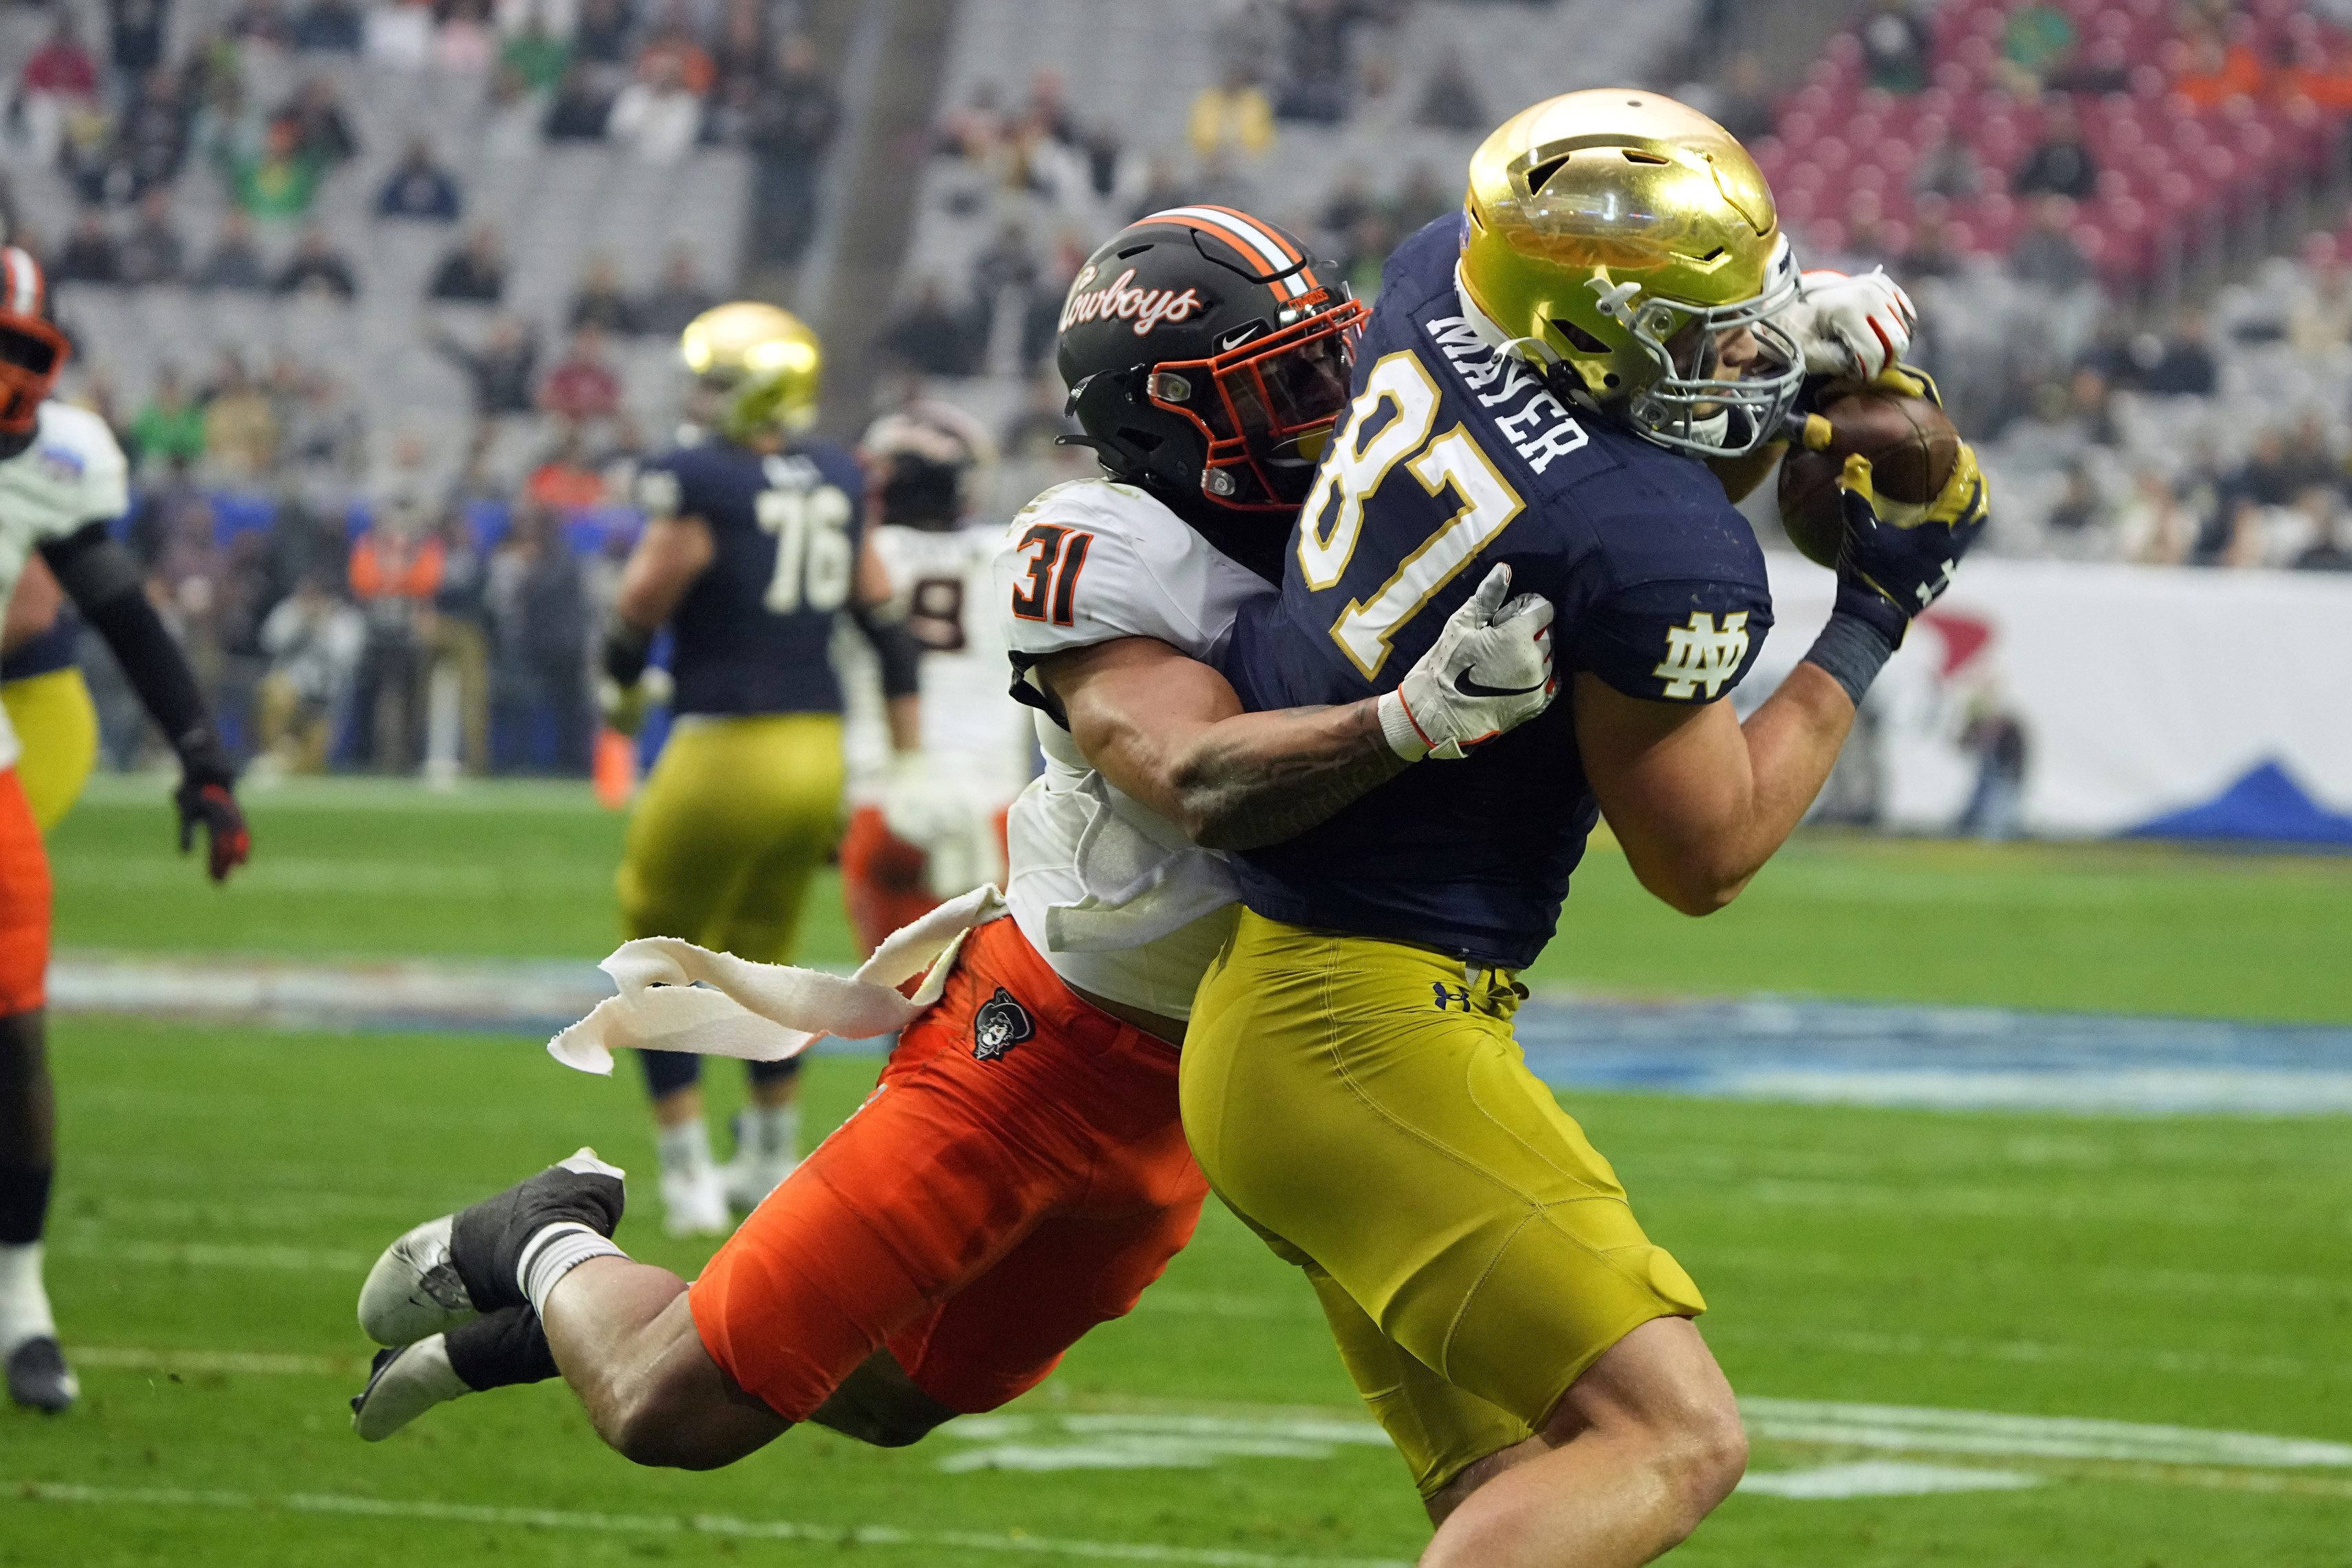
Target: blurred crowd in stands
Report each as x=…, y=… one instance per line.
x=345, y=604
x=2082, y=195
x=2002, y=158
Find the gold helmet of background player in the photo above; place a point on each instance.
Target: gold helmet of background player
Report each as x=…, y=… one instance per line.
x=1616, y=234
x=763, y=363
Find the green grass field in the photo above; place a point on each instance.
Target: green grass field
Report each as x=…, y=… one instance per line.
x=223, y=1191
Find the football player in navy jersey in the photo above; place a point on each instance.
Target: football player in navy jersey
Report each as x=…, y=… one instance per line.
x=752, y=548
x=1545, y=383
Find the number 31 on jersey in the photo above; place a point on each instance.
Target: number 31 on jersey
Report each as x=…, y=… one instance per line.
x=1363, y=455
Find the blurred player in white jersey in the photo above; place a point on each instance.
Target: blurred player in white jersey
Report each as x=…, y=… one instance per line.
x=63, y=483
x=927, y=826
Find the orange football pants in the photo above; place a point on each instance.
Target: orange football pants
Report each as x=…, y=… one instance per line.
x=24, y=902
x=1017, y=1176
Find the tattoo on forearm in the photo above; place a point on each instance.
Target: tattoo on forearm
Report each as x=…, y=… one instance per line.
x=1262, y=782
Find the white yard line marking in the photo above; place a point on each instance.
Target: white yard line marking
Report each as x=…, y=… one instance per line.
x=2195, y=1363
x=726, y=1525
x=268, y=1363
x=1881, y=1477
x=214, y=1255
x=1148, y=1442
x=1921, y=1429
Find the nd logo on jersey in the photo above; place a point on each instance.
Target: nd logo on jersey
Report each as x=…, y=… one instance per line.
x=1699, y=654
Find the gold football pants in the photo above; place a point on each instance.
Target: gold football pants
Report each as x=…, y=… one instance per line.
x=739, y=814
x=1363, y=1105
x=57, y=724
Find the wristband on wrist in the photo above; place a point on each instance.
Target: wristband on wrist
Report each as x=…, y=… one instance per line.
x=1851, y=651
x=1398, y=729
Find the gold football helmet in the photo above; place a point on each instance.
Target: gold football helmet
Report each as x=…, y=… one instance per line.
x=1629, y=239
x=763, y=364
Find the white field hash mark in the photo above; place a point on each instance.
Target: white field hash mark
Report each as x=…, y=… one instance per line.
x=724, y=1525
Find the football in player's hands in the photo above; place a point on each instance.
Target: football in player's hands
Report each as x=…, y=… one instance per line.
x=1898, y=559
x=1912, y=449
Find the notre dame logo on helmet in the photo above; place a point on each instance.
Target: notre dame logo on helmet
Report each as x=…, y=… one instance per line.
x=1001, y=1023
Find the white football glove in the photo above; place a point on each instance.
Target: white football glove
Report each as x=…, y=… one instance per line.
x=1852, y=326
x=957, y=840
x=918, y=805
x=624, y=707
x=1489, y=670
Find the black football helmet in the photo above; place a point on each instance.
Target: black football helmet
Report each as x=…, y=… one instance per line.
x=1205, y=358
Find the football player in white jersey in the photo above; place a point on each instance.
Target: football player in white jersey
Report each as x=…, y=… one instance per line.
x=1019, y=1175
x=928, y=824
x=63, y=481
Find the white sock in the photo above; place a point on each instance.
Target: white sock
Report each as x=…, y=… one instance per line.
x=771, y=1132
x=24, y=1303
x=554, y=1251
x=685, y=1147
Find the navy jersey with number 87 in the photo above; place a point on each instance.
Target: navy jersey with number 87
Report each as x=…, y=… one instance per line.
x=1453, y=458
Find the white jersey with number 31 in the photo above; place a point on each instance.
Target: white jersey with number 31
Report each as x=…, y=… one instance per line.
x=1110, y=893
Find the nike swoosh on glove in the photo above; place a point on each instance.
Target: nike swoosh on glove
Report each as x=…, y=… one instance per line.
x=1854, y=327
x=1489, y=671
x=1898, y=559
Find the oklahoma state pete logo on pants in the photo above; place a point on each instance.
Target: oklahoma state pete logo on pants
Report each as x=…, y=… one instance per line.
x=1001, y=1023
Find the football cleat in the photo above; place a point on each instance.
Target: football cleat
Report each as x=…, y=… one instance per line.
x=402, y=1384
x=694, y=1200
x=446, y=1270
x=413, y=1290
x=39, y=1377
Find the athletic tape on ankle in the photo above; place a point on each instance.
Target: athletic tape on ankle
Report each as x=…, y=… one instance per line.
x=554, y=1252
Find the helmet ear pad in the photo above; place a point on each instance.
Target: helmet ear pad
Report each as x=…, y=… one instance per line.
x=1138, y=439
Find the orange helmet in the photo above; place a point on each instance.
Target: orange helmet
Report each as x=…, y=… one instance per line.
x=31, y=351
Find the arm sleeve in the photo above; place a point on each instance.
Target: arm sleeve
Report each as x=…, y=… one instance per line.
x=895, y=649
x=1675, y=641
x=104, y=583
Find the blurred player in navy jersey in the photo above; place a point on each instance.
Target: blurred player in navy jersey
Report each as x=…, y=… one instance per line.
x=753, y=547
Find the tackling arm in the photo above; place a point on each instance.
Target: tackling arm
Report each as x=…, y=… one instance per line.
x=1169, y=731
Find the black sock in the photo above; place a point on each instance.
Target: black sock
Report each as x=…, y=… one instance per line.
x=500, y=1348
x=23, y=1203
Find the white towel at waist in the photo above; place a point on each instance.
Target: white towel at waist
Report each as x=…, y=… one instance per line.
x=765, y=1012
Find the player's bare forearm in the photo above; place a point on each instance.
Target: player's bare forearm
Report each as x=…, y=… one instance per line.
x=1260, y=778
x=1698, y=800
x=1170, y=731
